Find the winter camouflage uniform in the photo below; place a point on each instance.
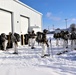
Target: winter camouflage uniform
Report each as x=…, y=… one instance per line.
x=33, y=35
x=4, y=41
x=13, y=41
x=45, y=45
x=29, y=38
x=73, y=36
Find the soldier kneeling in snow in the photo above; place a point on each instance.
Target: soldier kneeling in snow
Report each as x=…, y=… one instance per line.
x=45, y=45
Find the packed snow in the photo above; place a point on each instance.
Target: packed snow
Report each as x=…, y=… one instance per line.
x=29, y=62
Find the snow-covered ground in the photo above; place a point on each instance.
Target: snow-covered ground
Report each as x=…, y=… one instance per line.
x=29, y=61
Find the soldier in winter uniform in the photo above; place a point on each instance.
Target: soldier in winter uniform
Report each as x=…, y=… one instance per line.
x=64, y=37
x=29, y=38
x=4, y=41
x=33, y=35
x=57, y=36
x=65, y=44
x=45, y=45
x=12, y=42
x=38, y=38
x=73, y=36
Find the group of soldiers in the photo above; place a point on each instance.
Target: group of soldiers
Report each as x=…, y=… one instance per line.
x=41, y=38
x=66, y=35
x=9, y=41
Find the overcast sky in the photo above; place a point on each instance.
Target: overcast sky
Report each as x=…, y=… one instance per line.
x=55, y=11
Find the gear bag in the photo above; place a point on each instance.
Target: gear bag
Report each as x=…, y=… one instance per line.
x=17, y=36
x=73, y=36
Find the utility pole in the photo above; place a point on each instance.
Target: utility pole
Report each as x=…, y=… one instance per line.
x=66, y=23
x=53, y=27
x=48, y=28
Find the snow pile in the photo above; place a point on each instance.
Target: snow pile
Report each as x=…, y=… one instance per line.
x=29, y=62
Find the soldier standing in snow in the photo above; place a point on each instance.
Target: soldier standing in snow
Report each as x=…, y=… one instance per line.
x=65, y=39
x=45, y=45
x=13, y=42
x=38, y=38
x=57, y=36
x=4, y=41
x=29, y=38
x=73, y=37
x=33, y=35
x=10, y=43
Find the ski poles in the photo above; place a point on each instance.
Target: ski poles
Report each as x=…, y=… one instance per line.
x=51, y=49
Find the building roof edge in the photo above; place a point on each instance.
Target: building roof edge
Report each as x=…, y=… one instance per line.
x=27, y=6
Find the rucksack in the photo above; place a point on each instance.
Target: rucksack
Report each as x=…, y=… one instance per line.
x=65, y=37
x=39, y=37
x=57, y=35
x=73, y=36
x=43, y=39
x=3, y=37
x=17, y=36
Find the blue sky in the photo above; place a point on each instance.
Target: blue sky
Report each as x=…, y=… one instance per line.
x=55, y=12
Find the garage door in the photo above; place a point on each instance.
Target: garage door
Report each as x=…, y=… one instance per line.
x=24, y=25
x=5, y=22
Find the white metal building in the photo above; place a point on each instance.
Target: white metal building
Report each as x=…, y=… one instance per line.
x=16, y=16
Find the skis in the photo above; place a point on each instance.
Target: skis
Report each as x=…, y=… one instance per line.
x=63, y=52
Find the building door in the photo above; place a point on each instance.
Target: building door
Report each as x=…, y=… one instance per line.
x=24, y=28
x=5, y=22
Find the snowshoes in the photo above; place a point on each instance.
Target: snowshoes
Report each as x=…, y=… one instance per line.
x=32, y=47
x=15, y=53
x=62, y=52
x=42, y=56
x=59, y=53
x=45, y=55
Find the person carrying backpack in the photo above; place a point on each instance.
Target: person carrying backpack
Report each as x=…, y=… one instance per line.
x=45, y=44
x=29, y=38
x=4, y=41
x=33, y=35
x=13, y=40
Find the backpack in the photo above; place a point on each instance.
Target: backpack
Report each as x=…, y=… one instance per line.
x=73, y=36
x=43, y=39
x=57, y=35
x=39, y=37
x=65, y=37
x=3, y=37
x=17, y=36
x=26, y=38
